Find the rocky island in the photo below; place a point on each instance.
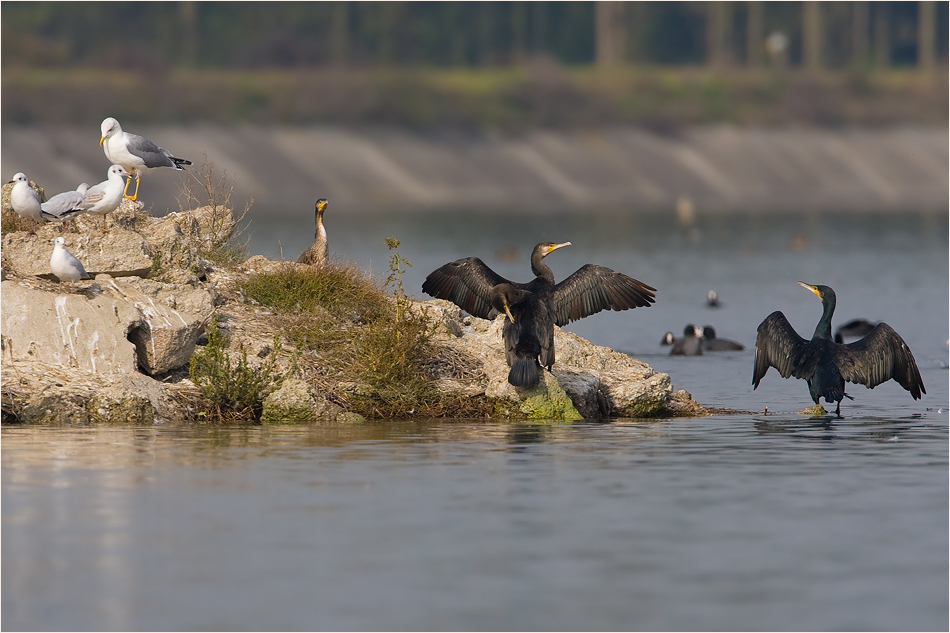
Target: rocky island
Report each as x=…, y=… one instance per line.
x=178, y=326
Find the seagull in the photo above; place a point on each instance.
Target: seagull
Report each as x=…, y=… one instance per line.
x=64, y=264
x=24, y=200
x=64, y=206
x=107, y=195
x=135, y=153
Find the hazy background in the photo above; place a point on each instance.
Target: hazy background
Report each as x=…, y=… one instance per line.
x=665, y=140
x=386, y=107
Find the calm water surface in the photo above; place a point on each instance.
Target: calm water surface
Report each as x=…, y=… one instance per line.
x=747, y=521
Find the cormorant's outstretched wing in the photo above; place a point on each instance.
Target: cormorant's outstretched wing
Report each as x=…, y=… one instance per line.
x=594, y=288
x=878, y=357
x=467, y=283
x=778, y=345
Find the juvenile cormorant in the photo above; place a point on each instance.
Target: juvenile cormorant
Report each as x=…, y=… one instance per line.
x=689, y=345
x=319, y=252
x=826, y=365
x=534, y=308
x=713, y=344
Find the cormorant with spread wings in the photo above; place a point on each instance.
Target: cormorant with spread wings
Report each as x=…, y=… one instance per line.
x=880, y=356
x=534, y=308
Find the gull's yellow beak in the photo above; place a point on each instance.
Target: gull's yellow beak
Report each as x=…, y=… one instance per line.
x=809, y=287
x=102, y=140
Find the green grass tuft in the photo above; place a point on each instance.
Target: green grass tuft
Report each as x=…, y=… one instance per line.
x=340, y=289
x=234, y=391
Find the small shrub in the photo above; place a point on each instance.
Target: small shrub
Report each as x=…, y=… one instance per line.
x=369, y=352
x=221, y=244
x=235, y=392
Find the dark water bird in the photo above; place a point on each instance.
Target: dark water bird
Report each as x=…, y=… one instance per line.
x=318, y=252
x=713, y=344
x=880, y=356
x=712, y=299
x=528, y=333
x=856, y=328
x=535, y=307
x=668, y=339
x=689, y=345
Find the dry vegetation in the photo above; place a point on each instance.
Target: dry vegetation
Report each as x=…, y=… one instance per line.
x=369, y=351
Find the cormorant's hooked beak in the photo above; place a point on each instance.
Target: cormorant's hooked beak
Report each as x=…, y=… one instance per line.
x=554, y=247
x=508, y=312
x=809, y=287
x=321, y=205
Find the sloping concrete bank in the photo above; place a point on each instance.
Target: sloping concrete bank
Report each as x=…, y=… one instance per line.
x=116, y=349
x=367, y=171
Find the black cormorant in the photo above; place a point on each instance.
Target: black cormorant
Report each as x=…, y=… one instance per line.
x=713, y=344
x=826, y=365
x=528, y=333
x=319, y=251
x=689, y=345
x=534, y=308
x=668, y=339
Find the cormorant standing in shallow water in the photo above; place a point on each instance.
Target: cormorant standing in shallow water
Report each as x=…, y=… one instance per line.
x=534, y=308
x=319, y=252
x=689, y=345
x=825, y=364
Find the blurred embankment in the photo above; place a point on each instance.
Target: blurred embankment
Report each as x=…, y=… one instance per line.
x=620, y=168
x=538, y=94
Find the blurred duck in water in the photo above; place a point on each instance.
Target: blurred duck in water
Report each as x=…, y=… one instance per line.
x=713, y=344
x=856, y=328
x=689, y=345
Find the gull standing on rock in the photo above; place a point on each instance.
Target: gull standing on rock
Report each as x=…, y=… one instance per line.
x=107, y=195
x=64, y=206
x=24, y=200
x=135, y=153
x=319, y=252
x=64, y=264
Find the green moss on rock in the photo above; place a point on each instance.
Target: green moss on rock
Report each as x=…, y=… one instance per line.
x=547, y=401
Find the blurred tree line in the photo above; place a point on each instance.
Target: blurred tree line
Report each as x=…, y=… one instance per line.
x=257, y=35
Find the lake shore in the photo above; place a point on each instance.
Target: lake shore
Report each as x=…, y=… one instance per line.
x=630, y=170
